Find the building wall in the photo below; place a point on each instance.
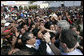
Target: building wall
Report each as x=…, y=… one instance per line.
x=66, y=3
x=72, y=3
x=45, y=5
x=17, y=3
x=50, y=4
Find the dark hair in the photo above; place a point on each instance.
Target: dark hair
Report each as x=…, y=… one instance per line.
x=68, y=37
x=23, y=24
x=25, y=37
x=43, y=32
x=52, y=35
x=73, y=25
x=35, y=31
x=41, y=20
x=47, y=24
x=63, y=24
x=50, y=25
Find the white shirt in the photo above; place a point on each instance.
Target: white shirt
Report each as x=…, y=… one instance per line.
x=48, y=50
x=30, y=46
x=75, y=52
x=20, y=36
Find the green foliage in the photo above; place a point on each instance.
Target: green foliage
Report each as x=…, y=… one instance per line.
x=20, y=7
x=32, y=2
x=33, y=7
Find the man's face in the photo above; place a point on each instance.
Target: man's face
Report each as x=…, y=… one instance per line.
x=42, y=23
x=32, y=40
x=59, y=29
x=53, y=40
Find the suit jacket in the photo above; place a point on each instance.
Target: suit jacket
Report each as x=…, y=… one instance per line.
x=42, y=49
x=31, y=50
x=55, y=50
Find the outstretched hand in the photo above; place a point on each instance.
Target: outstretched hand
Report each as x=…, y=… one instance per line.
x=47, y=37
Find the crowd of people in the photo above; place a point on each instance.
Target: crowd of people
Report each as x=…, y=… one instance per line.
x=41, y=31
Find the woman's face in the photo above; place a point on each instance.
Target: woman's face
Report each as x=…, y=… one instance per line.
x=40, y=35
x=52, y=27
x=22, y=30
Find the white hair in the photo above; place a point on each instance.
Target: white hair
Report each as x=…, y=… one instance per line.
x=63, y=24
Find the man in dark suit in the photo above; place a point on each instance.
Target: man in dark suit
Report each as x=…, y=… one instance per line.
x=29, y=40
